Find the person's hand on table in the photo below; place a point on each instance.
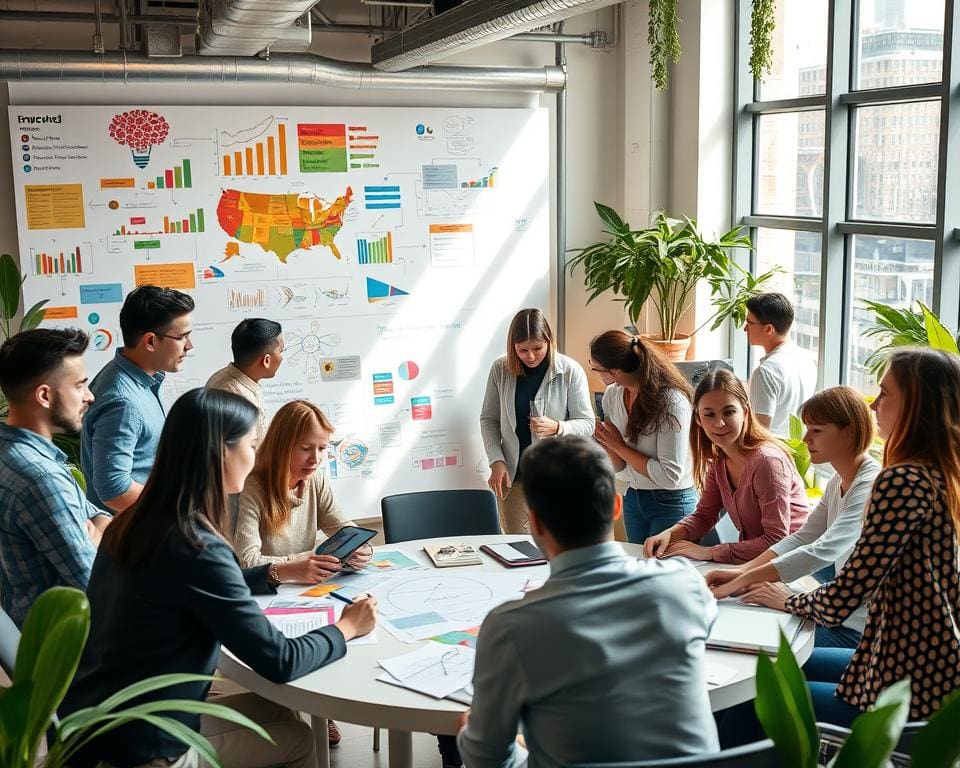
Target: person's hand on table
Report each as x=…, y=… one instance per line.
x=688, y=549
x=724, y=583
x=656, y=546
x=359, y=618
x=312, y=569
x=359, y=559
x=541, y=426
x=769, y=594
x=499, y=481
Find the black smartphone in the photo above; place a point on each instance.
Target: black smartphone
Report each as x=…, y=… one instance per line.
x=598, y=404
x=345, y=542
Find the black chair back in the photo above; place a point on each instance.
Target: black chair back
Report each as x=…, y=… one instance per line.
x=431, y=514
x=760, y=754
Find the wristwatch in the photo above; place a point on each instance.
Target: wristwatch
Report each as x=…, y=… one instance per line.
x=273, y=575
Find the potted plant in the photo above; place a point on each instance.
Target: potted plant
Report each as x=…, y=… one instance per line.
x=10, y=294
x=785, y=712
x=905, y=328
x=54, y=635
x=664, y=263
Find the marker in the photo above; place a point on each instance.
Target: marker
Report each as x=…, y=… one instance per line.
x=341, y=598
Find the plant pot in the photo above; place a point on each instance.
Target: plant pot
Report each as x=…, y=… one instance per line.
x=675, y=350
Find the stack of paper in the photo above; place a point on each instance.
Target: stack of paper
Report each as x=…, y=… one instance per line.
x=436, y=669
x=752, y=629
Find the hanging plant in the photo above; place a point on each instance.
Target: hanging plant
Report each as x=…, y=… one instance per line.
x=762, y=24
x=663, y=39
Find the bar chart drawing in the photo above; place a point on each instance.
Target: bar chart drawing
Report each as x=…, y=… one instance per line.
x=172, y=225
x=375, y=248
x=76, y=260
x=257, y=151
x=240, y=299
x=481, y=183
x=178, y=177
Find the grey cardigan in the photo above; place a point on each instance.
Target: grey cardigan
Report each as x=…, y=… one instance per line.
x=566, y=398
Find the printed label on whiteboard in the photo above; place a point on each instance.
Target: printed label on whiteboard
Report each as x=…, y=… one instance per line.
x=451, y=245
x=340, y=368
x=420, y=408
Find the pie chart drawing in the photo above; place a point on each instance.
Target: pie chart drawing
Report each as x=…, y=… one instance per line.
x=408, y=370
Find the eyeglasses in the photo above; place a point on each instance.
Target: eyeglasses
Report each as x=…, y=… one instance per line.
x=181, y=337
x=754, y=322
x=600, y=370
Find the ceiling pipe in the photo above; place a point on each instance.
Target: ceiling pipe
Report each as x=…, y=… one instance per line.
x=298, y=68
x=63, y=17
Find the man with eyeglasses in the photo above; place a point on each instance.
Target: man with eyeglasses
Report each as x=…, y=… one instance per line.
x=122, y=427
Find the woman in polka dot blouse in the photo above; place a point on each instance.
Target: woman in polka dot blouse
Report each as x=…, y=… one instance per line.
x=906, y=563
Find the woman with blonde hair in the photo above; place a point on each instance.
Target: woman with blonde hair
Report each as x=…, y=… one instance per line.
x=647, y=408
x=533, y=392
x=287, y=507
x=906, y=563
x=839, y=431
x=738, y=467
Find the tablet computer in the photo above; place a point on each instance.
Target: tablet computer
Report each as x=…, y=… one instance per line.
x=515, y=554
x=345, y=542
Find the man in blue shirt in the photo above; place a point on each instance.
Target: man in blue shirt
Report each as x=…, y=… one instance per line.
x=122, y=428
x=48, y=530
x=603, y=663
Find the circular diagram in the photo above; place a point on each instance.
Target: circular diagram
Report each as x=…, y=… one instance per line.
x=452, y=596
x=102, y=339
x=408, y=370
x=353, y=452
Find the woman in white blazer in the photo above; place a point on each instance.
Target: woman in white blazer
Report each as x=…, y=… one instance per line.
x=532, y=373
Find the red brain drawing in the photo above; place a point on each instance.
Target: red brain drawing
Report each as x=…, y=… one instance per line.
x=139, y=129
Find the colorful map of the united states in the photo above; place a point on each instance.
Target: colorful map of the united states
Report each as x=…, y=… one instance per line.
x=282, y=223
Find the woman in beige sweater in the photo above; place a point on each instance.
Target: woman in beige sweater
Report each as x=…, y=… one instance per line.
x=287, y=507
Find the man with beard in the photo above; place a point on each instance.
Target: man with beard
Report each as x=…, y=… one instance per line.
x=122, y=429
x=48, y=529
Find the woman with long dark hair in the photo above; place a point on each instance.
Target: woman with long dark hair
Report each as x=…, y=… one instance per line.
x=906, y=562
x=533, y=392
x=166, y=590
x=647, y=408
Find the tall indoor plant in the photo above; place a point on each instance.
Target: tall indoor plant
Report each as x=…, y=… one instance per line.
x=54, y=634
x=664, y=263
x=894, y=327
x=10, y=294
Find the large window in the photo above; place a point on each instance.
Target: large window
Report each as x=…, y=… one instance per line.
x=846, y=172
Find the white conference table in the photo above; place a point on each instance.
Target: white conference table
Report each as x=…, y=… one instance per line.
x=348, y=690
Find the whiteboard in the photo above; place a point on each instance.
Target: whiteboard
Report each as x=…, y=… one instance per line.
x=393, y=244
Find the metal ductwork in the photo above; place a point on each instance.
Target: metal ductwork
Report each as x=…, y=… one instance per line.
x=474, y=23
x=247, y=27
x=305, y=69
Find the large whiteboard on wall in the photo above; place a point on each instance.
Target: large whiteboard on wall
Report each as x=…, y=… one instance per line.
x=393, y=244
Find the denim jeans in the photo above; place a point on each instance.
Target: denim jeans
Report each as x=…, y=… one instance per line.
x=836, y=637
x=823, y=670
x=646, y=513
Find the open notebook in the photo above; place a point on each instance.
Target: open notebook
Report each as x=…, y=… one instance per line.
x=752, y=630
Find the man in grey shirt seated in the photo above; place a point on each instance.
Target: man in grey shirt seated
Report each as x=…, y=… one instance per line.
x=605, y=662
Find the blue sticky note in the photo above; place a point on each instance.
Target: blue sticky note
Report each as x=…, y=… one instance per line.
x=101, y=293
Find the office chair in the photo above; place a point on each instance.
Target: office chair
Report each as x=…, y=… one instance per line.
x=760, y=754
x=431, y=514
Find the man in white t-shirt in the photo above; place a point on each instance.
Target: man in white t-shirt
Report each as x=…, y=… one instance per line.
x=786, y=374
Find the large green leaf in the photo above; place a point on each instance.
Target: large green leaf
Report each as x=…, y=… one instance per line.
x=778, y=713
x=938, y=336
x=9, y=286
x=937, y=744
x=52, y=607
x=33, y=316
x=14, y=705
x=611, y=219
x=874, y=734
x=787, y=664
x=56, y=666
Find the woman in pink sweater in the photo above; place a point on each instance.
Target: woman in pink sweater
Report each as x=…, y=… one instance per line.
x=738, y=467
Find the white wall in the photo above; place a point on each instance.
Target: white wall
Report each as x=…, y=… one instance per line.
x=628, y=145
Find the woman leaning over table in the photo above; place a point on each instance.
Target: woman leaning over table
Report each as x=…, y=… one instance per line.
x=647, y=408
x=531, y=371
x=906, y=562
